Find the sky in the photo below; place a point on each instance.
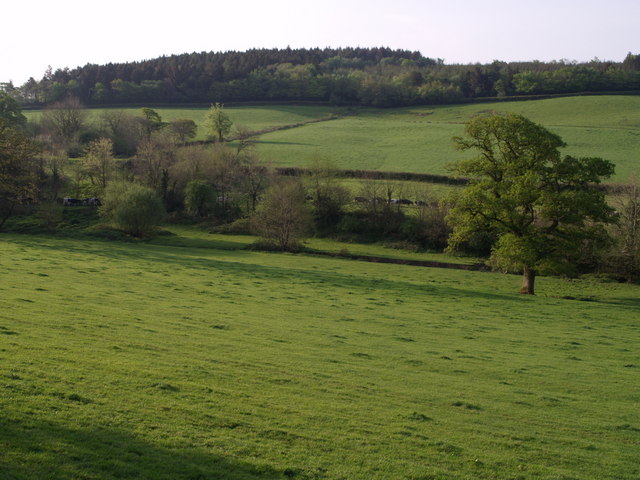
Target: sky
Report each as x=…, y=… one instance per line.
x=70, y=33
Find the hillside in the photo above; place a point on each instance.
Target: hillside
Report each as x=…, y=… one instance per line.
x=418, y=139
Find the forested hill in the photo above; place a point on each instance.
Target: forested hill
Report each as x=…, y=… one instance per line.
x=379, y=77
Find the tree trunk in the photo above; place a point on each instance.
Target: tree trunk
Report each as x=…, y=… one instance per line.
x=528, y=281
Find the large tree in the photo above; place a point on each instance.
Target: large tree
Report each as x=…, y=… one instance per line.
x=540, y=205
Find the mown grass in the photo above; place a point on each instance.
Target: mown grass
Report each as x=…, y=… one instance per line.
x=132, y=360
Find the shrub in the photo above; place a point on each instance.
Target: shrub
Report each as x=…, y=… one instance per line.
x=133, y=208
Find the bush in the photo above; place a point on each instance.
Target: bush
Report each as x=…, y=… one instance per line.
x=133, y=208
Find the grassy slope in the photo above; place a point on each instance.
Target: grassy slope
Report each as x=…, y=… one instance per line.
x=154, y=361
x=419, y=139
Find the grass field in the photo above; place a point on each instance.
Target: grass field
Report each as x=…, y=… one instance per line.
x=192, y=359
x=418, y=139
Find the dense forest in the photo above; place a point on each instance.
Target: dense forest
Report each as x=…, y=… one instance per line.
x=379, y=77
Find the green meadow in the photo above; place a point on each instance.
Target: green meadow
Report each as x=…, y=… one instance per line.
x=193, y=358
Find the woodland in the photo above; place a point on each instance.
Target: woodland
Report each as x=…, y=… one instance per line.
x=378, y=77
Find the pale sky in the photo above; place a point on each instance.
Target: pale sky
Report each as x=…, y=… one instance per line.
x=71, y=33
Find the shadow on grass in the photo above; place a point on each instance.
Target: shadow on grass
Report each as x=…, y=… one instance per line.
x=238, y=262
x=185, y=242
x=37, y=449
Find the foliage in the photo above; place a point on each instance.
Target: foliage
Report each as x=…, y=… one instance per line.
x=10, y=111
x=151, y=121
x=428, y=228
x=199, y=198
x=328, y=196
x=99, y=163
x=218, y=122
x=17, y=170
x=282, y=219
x=50, y=215
x=380, y=77
x=153, y=160
x=184, y=128
x=134, y=208
x=64, y=121
x=123, y=128
x=542, y=205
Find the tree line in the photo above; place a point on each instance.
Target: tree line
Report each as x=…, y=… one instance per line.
x=379, y=77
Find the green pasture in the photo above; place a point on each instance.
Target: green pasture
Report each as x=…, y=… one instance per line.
x=180, y=236
x=190, y=358
x=418, y=139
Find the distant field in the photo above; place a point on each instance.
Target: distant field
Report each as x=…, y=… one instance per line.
x=189, y=358
x=418, y=139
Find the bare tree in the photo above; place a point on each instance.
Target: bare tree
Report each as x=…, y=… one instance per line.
x=64, y=121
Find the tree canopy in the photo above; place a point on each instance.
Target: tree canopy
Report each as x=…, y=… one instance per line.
x=10, y=111
x=218, y=122
x=18, y=179
x=539, y=205
x=380, y=77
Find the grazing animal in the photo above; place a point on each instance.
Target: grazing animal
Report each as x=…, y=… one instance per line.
x=405, y=201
